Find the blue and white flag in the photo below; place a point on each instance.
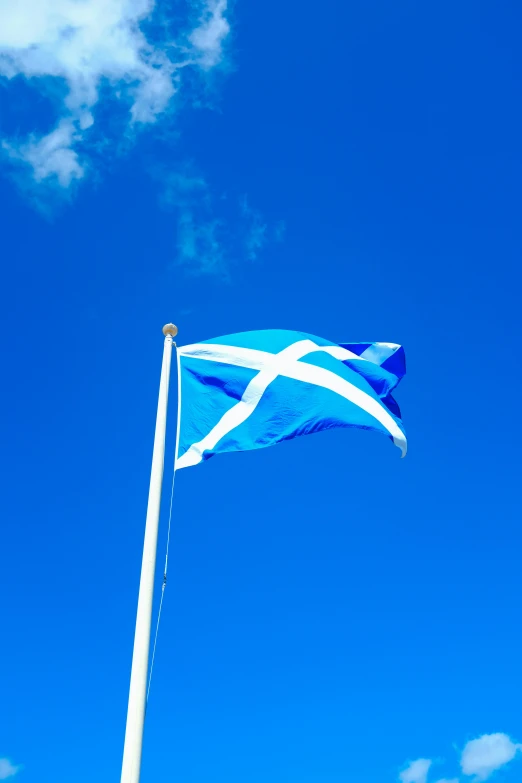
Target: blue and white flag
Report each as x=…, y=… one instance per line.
x=253, y=389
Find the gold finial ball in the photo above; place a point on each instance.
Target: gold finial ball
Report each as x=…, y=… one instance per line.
x=170, y=329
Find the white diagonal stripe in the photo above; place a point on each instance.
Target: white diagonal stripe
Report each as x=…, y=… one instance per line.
x=379, y=352
x=309, y=373
x=270, y=366
x=248, y=402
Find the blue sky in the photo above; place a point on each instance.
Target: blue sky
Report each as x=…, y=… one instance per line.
x=333, y=613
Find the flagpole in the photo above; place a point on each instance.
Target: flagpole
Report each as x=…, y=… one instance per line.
x=131, y=766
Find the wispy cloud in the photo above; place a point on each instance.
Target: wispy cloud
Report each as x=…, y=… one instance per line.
x=100, y=52
x=255, y=229
x=213, y=234
x=7, y=770
x=199, y=243
x=279, y=231
x=416, y=771
x=51, y=155
x=208, y=37
x=483, y=756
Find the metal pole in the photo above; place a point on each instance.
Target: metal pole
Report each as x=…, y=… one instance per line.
x=130, y=771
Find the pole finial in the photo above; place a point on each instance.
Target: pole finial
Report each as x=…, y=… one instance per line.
x=170, y=329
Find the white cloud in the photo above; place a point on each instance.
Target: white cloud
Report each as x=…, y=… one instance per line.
x=212, y=234
x=482, y=756
x=51, y=155
x=97, y=49
x=416, y=771
x=7, y=770
x=448, y=780
x=199, y=243
x=256, y=235
x=212, y=30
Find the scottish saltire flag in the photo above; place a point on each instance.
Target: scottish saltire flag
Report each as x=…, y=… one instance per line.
x=251, y=390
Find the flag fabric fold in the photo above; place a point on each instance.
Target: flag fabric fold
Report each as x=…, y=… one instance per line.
x=254, y=389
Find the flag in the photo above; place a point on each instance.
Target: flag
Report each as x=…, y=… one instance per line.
x=254, y=389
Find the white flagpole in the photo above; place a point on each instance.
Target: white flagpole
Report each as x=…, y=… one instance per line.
x=130, y=772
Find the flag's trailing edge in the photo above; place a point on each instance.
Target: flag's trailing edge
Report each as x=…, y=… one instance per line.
x=254, y=389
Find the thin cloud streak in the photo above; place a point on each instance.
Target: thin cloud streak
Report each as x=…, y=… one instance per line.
x=209, y=35
x=256, y=230
x=199, y=246
x=212, y=234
